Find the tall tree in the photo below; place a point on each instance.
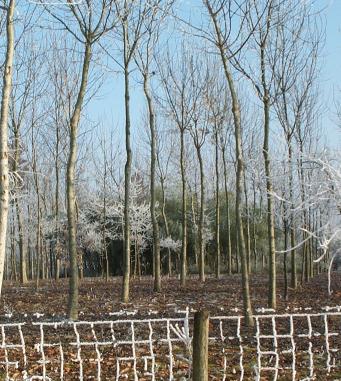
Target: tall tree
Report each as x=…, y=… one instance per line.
x=294, y=67
x=145, y=59
x=221, y=13
x=91, y=25
x=176, y=101
x=132, y=17
x=199, y=80
x=261, y=24
x=4, y=112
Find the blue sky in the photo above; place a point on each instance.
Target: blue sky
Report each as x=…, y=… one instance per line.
x=331, y=68
x=109, y=105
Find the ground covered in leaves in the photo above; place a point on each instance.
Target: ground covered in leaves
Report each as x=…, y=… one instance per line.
x=46, y=349
x=98, y=298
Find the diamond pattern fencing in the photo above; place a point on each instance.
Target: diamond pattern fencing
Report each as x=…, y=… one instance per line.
x=300, y=346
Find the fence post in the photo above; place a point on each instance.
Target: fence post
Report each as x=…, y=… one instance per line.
x=200, y=346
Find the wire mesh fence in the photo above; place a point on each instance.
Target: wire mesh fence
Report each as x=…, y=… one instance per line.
x=297, y=346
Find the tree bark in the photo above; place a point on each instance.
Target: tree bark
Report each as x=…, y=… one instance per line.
x=201, y=237
x=200, y=346
x=5, y=98
x=292, y=220
x=217, y=206
x=270, y=210
x=165, y=221
x=240, y=171
x=127, y=173
x=70, y=186
x=22, y=247
x=56, y=168
x=155, y=225
x=247, y=230
x=228, y=222
x=183, y=271
x=254, y=237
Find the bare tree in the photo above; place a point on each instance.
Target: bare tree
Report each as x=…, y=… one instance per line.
x=134, y=18
x=228, y=44
x=165, y=143
x=5, y=101
x=199, y=79
x=91, y=25
x=176, y=101
x=216, y=98
x=299, y=40
x=144, y=60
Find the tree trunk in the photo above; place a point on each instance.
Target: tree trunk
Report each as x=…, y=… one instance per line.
x=5, y=98
x=254, y=238
x=38, y=246
x=70, y=187
x=127, y=176
x=270, y=209
x=13, y=251
x=247, y=230
x=104, y=239
x=228, y=222
x=56, y=165
x=156, y=237
x=184, y=211
x=194, y=210
x=165, y=221
x=293, y=266
x=286, y=245
x=239, y=176
x=22, y=247
x=201, y=237
x=217, y=207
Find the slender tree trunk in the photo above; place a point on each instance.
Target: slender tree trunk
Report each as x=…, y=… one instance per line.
x=70, y=187
x=270, y=209
x=136, y=255
x=254, y=237
x=305, y=264
x=239, y=192
x=311, y=241
x=5, y=98
x=247, y=230
x=217, y=207
x=239, y=175
x=228, y=222
x=104, y=238
x=156, y=237
x=56, y=167
x=194, y=210
x=293, y=281
x=38, y=246
x=286, y=245
x=127, y=176
x=22, y=247
x=183, y=271
x=13, y=251
x=105, y=249
x=201, y=237
x=165, y=221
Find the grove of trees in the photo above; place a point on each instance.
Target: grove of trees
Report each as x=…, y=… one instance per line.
x=165, y=138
